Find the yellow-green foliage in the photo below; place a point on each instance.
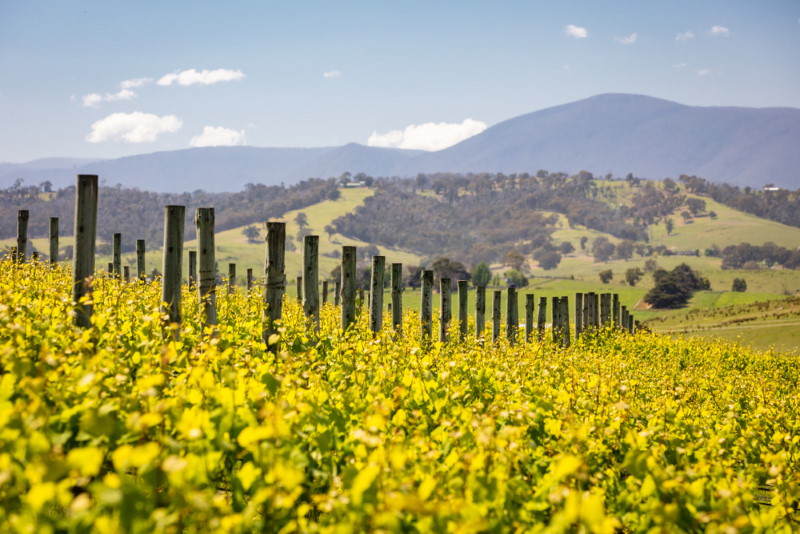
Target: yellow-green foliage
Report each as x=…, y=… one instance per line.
x=122, y=428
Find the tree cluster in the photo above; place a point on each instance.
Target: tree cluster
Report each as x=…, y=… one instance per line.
x=752, y=257
x=674, y=288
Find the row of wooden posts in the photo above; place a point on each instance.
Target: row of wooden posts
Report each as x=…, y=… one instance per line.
x=592, y=310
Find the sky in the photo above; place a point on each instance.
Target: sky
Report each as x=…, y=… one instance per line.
x=100, y=79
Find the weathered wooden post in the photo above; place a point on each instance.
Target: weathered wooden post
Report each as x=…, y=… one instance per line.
x=615, y=310
x=337, y=292
x=591, y=305
x=192, y=268
x=83, y=251
x=578, y=315
x=623, y=314
x=605, y=309
x=324, y=292
x=348, y=286
x=141, y=268
x=249, y=279
x=231, y=277
x=445, y=309
x=22, y=235
x=463, y=306
x=206, y=283
x=376, y=294
x=126, y=270
x=512, y=315
x=565, y=327
x=556, y=321
x=480, y=311
x=53, y=240
x=110, y=270
x=299, y=288
x=34, y=256
x=426, y=305
x=529, y=304
x=496, y=308
x=542, y=319
x=116, y=257
x=274, y=277
x=172, y=261
x=397, y=297
x=311, y=278
x=595, y=311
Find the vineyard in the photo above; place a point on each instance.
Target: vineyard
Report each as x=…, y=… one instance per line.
x=138, y=425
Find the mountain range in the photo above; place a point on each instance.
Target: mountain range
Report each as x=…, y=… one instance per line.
x=609, y=133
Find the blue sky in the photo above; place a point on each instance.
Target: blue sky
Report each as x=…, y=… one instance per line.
x=107, y=79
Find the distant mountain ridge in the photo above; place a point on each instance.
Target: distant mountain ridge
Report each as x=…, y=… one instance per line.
x=610, y=133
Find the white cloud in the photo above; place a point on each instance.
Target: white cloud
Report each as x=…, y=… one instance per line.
x=332, y=74
x=134, y=83
x=136, y=127
x=93, y=100
x=576, y=31
x=679, y=65
x=627, y=40
x=720, y=30
x=428, y=136
x=703, y=72
x=685, y=36
x=218, y=136
x=202, y=77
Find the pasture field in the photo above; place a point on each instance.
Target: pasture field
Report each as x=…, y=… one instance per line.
x=127, y=427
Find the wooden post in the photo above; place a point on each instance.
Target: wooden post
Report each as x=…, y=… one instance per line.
x=274, y=277
x=110, y=270
x=556, y=321
x=605, y=309
x=578, y=315
x=591, y=304
x=126, y=271
x=529, y=316
x=615, y=314
x=231, y=277
x=348, y=286
x=337, y=292
x=463, y=303
x=117, y=256
x=172, y=264
x=496, y=307
x=623, y=316
x=376, y=294
x=249, y=279
x=141, y=268
x=512, y=315
x=565, y=327
x=542, y=319
x=324, y=292
x=445, y=309
x=207, y=279
x=53, y=240
x=480, y=311
x=311, y=278
x=83, y=251
x=22, y=234
x=299, y=288
x=397, y=297
x=595, y=310
x=426, y=305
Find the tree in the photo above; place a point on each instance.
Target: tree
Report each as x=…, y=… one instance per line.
x=330, y=230
x=251, y=233
x=454, y=270
x=670, y=224
x=633, y=275
x=584, y=239
x=514, y=259
x=549, y=260
x=606, y=276
x=517, y=278
x=566, y=248
x=650, y=265
x=602, y=249
x=696, y=206
x=481, y=275
x=674, y=288
x=301, y=220
x=739, y=285
x=687, y=217
x=625, y=249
